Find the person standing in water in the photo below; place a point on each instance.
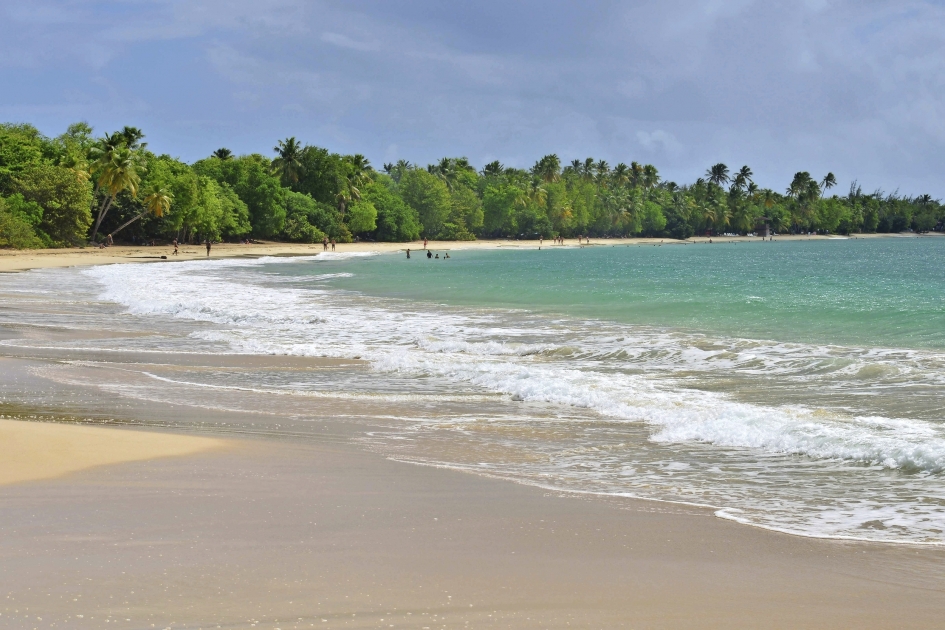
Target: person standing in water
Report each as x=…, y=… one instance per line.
x=408, y=252
x=429, y=254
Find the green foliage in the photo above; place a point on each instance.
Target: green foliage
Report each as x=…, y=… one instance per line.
x=65, y=197
x=54, y=188
x=362, y=217
x=396, y=221
x=21, y=146
x=17, y=220
x=250, y=178
x=498, y=207
x=307, y=221
x=429, y=196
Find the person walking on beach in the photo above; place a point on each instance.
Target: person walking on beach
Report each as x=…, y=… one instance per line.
x=175, y=247
x=208, y=248
x=332, y=244
x=424, y=243
x=325, y=244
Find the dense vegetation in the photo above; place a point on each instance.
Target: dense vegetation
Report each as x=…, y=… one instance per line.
x=77, y=188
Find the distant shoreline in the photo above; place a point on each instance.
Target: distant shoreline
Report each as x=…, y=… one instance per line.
x=25, y=259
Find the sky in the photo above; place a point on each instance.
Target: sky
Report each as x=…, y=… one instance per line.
x=852, y=87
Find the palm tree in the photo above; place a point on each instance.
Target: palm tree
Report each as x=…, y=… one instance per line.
x=650, y=177
x=462, y=164
x=621, y=174
x=120, y=173
x=288, y=165
x=636, y=173
x=223, y=154
x=745, y=173
x=493, y=169
x=828, y=182
x=132, y=136
x=799, y=185
x=718, y=174
x=361, y=168
x=548, y=168
x=602, y=167
x=157, y=202
x=587, y=169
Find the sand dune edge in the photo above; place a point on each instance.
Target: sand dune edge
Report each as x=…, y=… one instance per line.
x=31, y=451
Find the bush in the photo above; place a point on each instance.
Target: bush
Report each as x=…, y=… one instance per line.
x=15, y=230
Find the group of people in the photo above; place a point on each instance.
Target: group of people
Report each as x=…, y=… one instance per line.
x=430, y=253
x=326, y=243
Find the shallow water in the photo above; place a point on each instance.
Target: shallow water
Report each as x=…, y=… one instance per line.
x=795, y=386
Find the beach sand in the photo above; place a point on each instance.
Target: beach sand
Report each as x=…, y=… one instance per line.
x=19, y=260
x=38, y=450
x=297, y=535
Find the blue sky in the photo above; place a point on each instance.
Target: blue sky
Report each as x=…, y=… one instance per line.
x=857, y=88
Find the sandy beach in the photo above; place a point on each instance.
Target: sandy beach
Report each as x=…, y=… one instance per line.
x=20, y=260
x=176, y=515
x=318, y=534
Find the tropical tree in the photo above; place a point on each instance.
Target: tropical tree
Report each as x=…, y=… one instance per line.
x=718, y=174
x=548, y=168
x=493, y=169
x=288, y=164
x=157, y=202
x=223, y=153
x=828, y=182
x=121, y=172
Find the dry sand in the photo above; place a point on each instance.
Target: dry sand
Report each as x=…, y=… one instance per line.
x=19, y=260
x=37, y=450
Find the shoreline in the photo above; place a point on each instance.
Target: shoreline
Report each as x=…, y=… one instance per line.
x=25, y=259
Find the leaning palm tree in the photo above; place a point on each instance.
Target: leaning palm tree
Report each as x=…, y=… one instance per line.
x=223, y=154
x=828, y=182
x=119, y=174
x=288, y=164
x=157, y=202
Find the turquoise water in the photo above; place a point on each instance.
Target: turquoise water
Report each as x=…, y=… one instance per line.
x=870, y=292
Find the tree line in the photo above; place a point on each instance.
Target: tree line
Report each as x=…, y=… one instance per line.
x=78, y=188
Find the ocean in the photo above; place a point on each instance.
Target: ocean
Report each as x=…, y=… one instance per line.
x=795, y=386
